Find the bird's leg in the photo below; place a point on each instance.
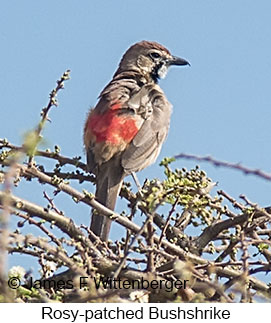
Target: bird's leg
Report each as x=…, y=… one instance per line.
x=136, y=181
x=139, y=187
x=139, y=193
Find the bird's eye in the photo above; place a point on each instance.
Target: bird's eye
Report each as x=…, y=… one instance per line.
x=155, y=55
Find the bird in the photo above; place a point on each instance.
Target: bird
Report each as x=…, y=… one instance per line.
x=124, y=132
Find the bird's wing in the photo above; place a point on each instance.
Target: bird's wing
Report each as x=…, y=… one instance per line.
x=155, y=111
x=111, y=125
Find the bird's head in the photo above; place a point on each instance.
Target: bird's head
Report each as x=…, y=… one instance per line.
x=151, y=59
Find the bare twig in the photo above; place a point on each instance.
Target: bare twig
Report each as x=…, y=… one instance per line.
x=150, y=243
x=40, y=226
x=45, y=111
x=172, y=210
x=123, y=260
x=244, y=258
x=52, y=204
x=219, y=163
x=63, y=160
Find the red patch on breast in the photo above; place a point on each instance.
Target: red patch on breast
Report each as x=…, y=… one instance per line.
x=115, y=106
x=111, y=127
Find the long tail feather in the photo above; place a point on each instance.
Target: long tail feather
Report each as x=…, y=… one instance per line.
x=109, y=182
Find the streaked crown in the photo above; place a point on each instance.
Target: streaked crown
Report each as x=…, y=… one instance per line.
x=151, y=59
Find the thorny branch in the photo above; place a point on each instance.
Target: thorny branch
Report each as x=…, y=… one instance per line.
x=219, y=163
x=36, y=135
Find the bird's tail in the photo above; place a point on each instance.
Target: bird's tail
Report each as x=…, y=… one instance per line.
x=108, y=181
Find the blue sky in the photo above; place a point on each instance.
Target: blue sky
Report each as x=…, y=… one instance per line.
x=221, y=103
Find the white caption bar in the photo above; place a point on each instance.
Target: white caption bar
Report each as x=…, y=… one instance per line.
x=92, y=312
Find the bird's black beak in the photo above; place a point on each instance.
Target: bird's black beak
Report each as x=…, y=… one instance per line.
x=178, y=61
